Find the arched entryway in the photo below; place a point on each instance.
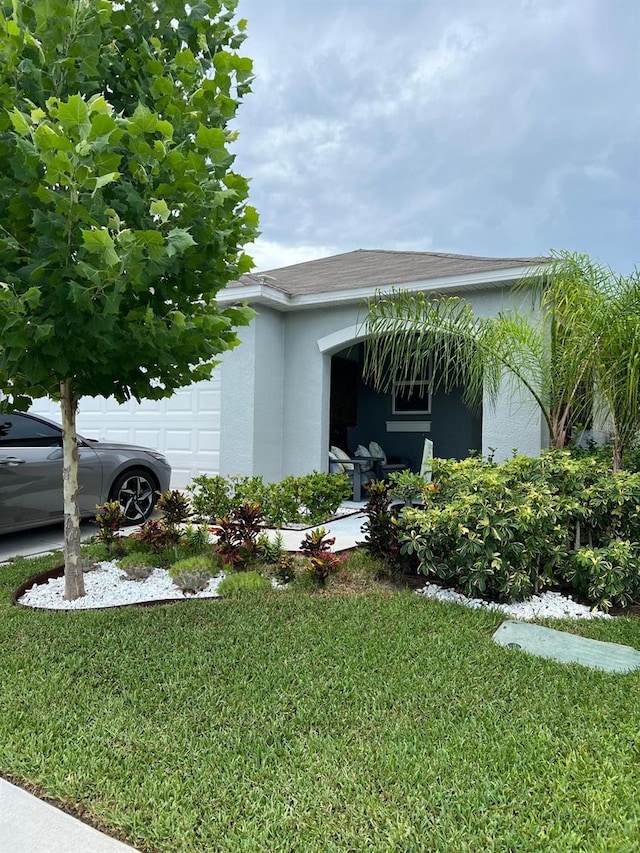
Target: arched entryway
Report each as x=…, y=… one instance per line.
x=398, y=420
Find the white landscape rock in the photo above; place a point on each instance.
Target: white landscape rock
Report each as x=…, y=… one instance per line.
x=547, y=605
x=107, y=586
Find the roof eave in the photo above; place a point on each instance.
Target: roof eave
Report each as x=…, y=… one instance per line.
x=262, y=294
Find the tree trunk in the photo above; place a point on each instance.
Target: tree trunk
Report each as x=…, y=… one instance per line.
x=617, y=456
x=73, y=576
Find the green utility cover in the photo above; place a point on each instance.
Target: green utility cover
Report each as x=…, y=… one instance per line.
x=567, y=648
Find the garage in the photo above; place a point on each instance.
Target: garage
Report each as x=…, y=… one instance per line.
x=185, y=427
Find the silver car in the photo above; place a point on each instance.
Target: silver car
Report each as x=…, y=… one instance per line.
x=31, y=474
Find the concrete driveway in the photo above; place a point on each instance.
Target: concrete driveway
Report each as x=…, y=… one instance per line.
x=42, y=540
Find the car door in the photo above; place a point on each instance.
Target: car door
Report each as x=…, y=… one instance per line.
x=31, y=473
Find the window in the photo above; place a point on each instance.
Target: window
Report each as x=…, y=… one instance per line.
x=411, y=398
x=21, y=431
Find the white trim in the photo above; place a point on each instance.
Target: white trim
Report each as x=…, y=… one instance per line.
x=336, y=340
x=408, y=426
x=254, y=293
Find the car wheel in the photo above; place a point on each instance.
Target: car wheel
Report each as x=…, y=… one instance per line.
x=136, y=491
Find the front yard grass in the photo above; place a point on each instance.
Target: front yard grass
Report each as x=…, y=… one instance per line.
x=297, y=722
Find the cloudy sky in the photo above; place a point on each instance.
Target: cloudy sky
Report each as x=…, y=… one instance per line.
x=486, y=127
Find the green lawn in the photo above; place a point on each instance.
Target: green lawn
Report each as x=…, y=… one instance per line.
x=382, y=722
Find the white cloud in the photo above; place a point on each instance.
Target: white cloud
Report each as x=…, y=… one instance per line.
x=270, y=255
x=498, y=128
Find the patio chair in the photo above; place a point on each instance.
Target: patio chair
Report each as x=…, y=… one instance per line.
x=382, y=465
x=359, y=469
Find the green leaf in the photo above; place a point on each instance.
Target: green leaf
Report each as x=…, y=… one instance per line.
x=32, y=297
x=186, y=60
x=99, y=105
x=160, y=208
x=103, y=180
x=20, y=122
x=144, y=120
x=48, y=139
x=73, y=115
x=210, y=137
x=165, y=128
x=178, y=241
x=42, y=331
x=102, y=126
x=100, y=242
x=161, y=86
x=80, y=295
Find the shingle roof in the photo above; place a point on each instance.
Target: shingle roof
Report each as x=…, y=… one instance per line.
x=373, y=269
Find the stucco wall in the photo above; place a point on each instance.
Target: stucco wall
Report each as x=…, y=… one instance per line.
x=307, y=387
x=276, y=391
x=252, y=378
x=237, y=395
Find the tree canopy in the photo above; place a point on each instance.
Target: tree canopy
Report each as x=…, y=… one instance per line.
x=120, y=214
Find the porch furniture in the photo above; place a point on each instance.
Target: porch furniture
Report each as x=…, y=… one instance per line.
x=356, y=467
x=360, y=466
x=382, y=466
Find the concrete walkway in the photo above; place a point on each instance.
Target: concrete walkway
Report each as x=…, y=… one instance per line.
x=347, y=531
x=42, y=540
x=31, y=825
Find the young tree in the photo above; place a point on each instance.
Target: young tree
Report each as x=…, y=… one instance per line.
x=577, y=352
x=120, y=214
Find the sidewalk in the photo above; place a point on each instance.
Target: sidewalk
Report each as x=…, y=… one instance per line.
x=30, y=825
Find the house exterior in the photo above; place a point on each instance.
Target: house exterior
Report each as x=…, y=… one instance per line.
x=285, y=392
x=295, y=385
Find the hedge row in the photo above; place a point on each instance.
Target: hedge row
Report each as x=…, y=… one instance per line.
x=505, y=531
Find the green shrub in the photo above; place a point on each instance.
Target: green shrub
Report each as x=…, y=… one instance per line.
x=198, y=563
x=503, y=531
x=247, y=490
x=195, y=539
x=321, y=494
x=210, y=496
x=243, y=583
x=192, y=574
x=267, y=550
x=281, y=502
x=136, y=566
x=311, y=498
x=606, y=576
x=502, y=548
x=406, y=486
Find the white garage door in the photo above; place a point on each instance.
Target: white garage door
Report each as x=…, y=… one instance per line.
x=185, y=427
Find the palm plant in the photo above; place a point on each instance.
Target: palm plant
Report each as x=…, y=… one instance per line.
x=576, y=351
x=618, y=363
